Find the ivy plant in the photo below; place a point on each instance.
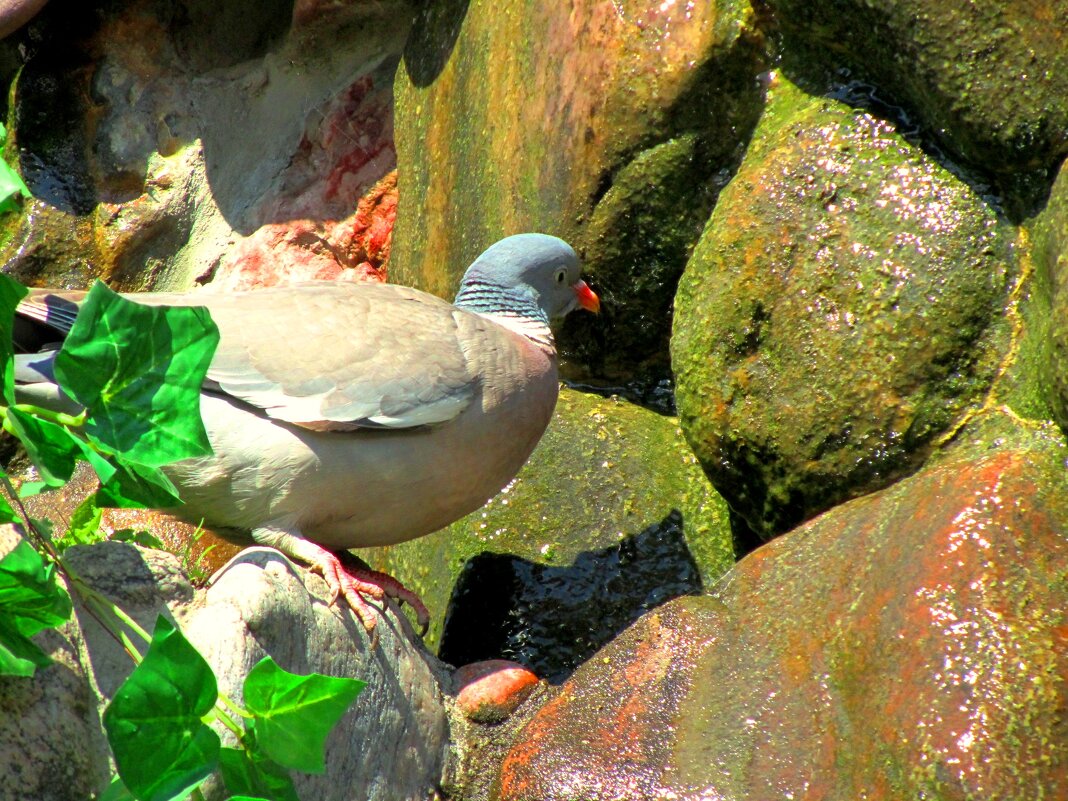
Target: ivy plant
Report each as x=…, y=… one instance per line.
x=136, y=371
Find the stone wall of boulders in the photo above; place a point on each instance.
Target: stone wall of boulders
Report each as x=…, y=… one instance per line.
x=836, y=230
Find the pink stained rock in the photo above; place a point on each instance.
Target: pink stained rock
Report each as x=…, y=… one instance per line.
x=355, y=248
x=490, y=691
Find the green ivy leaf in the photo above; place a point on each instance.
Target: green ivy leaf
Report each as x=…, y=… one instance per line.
x=137, y=486
x=85, y=522
x=11, y=292
x=138, y=370
x=116, y=791
x=11, y=183
x=53, y=449
x=294, y=714
x=30, y=600
x=138, y=536
x=162, y=748
x=7, y=513
x=84, y=527
x=254, y=775
x=27, y=489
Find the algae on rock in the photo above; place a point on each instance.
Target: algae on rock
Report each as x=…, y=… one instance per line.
x=836, y=316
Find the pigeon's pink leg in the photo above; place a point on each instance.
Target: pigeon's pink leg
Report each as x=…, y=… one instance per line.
x=355, y=584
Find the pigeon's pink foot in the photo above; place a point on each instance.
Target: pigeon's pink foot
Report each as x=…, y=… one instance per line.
x=356, y=584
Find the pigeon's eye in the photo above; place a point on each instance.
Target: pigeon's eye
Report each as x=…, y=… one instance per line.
x=561, y=276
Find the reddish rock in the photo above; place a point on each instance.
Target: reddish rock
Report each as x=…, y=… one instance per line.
x=356, y=248
x=490, y=691
x=909, y=644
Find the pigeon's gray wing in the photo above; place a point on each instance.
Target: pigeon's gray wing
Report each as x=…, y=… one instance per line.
x=327, y=355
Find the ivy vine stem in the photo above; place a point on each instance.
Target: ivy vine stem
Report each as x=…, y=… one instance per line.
x=110, y=617
x=59, y=418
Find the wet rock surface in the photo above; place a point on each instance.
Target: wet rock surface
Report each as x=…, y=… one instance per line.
x=1051, y=279
x=490, y=691
x=923, y=624
x=831, y=321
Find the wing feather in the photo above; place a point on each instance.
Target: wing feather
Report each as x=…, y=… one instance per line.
x=324, y=354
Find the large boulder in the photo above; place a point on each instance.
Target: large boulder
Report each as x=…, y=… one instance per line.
x=988, y=81
x=834, y=319
x=909, y=644
x=607, y=126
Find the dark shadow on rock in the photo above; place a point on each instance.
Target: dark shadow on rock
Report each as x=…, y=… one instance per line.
x=434, y=33
x=120, y=572
x=550, y=618
x=211, y=35
x=51, y=106
x=746, y=540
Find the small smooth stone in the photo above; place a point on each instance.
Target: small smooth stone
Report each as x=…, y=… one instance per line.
x=490, y=691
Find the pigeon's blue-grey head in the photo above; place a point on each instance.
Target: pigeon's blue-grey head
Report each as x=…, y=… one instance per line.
x=533, y=275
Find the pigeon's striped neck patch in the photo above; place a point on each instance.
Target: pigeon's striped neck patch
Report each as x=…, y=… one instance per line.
x=513, y=308
x=534, y=330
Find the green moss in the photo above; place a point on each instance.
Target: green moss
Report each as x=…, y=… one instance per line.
x=988, y=80
x=840, y=311
x=1044, y=359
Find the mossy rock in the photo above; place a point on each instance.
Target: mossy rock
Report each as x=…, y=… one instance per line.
x=836, y=316
x=989, y=81
x=515, y=116
x=610, y=516
x=1049, y=342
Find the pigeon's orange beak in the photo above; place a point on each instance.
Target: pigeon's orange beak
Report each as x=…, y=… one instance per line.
x=587, y=298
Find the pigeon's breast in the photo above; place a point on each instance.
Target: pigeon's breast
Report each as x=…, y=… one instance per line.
x=348, y=489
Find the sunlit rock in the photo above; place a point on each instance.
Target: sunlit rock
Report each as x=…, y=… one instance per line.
x=910, y=644
x=835, y=317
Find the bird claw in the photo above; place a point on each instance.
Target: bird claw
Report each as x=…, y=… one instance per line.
x=357, y=585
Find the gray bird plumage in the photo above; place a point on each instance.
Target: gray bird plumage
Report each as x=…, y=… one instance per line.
x=351, y=414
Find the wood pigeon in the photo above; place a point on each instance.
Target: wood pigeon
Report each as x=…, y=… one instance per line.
x=348, y=414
